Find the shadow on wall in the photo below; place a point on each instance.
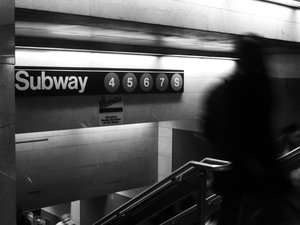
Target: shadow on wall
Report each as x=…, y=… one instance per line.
x=187, y=146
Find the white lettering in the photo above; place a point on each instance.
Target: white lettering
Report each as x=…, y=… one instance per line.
x=38, y=83
x=82, y=83
x=73, y=83
x=60, y=81
x=44, y=79
x=177, y=82
x=23, y=81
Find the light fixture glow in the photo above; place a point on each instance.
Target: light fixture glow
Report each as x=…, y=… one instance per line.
x=194, y=65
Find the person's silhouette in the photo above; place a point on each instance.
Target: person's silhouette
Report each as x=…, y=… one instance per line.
x=237, y=123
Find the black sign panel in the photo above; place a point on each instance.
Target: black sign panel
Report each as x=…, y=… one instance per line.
x=50, y=81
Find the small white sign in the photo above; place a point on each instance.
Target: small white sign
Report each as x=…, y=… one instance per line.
x=111, y=110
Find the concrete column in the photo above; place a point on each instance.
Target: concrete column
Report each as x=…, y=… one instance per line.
x=164, y=150
x=7, y=114
x=75, y=212
x=165, y=136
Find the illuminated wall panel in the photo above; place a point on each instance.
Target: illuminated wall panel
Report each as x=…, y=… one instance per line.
x=68, y=112
x=61, y=166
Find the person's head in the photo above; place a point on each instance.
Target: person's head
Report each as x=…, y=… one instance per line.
x=289, y=129
x=290, y=135
x=249, y=50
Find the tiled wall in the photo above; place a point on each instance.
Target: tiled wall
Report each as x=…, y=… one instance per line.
x=7, y=114
x=61, y=166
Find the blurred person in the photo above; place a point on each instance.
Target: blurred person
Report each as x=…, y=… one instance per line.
x=65, y=220
x=238, y=124
x=289, y=138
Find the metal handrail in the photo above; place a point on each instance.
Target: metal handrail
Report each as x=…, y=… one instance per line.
x=215, y=164
x=213, y=199
x=205, y=164
x=282, y=158
x=291, y=154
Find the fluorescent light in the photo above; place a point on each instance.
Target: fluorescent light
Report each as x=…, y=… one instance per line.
x=83, y=50
x=193, y=65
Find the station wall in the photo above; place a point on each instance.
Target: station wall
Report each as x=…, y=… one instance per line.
x=75, y=144
x=61, y=116
x=58, y=119
x=284, y=70
x=35, y=114
x=55, y=167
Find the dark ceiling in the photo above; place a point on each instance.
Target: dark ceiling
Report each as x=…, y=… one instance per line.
x=36, y=28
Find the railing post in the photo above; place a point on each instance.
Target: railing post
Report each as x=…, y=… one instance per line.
x=201, y=198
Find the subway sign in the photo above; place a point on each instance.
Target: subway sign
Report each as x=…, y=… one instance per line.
x=50, y=81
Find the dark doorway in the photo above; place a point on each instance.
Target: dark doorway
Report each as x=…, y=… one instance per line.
x=187, y=146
